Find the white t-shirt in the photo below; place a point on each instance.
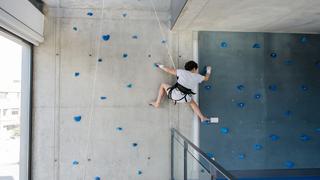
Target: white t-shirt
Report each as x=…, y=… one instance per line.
x=188, y=79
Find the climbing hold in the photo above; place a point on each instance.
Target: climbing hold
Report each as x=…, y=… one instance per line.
x=75, y=28
x=241, y=156
x=288, y=113
x=149, y=55
x=273, y=87
x=124, y=55
x=105, y=37
x=139, y=172
x=318, y=130
x=273, y=55
x=224, y=45
x=304, y=88
x=90, y=55
x=97, y=178
x=305, y=137
x=240, y=87
x=149, y=158
x=90, y=13
x=289, y=164
x=241, y=105
x=303, y=39
x=76, y=74
x=274, y=137
x=129, y=85
x=119, y=128
x=202, y=171
x=134, y=37
x=257, y=96
x=256, y=45
x=163, y=41
x=124, y=15
x=288, y=62
x=77, y=118
x=258, y=147
x=103, y=97
x=75, y=162
x=224, y=130
x=99, y=60
x=317, y=64
x=134, y=144
x=210, y=155
x=207, y=87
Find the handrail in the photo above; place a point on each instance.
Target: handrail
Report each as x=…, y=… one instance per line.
x=206, y=157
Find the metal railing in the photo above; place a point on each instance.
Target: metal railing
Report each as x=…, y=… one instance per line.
x=189, y=162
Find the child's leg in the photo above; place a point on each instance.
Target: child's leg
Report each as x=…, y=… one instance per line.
x=196, y=109
x=162, y=91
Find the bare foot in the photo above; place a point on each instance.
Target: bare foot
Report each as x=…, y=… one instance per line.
x=154, y=104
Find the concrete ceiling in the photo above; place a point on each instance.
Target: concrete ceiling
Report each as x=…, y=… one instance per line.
x=296, y=16
x=161, y=5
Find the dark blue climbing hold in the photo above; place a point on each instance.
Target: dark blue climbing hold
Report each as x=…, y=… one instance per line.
x=289, y=164
x=124, y=15
x=97, y=178
x=129, y=86
x=305, y=137
x=202, y=171
x=149, y=158
x=119, y=128
x=206, y=122
x=318, y=130
x=317, y=64
x=303, y=39
x=273, y=87
x=124, y=55
x=75, y=28
x=99, y=60
x=304, y=87
x=288, y=113
x=134, y=37
x=224, y=130
x=103, y=97
x=105, y=37
x=224, y=45
x=90, y=13
x=274, y=137
x=75, y=162
x=163, y=41
x=241, y=156
x=77, y=118
x=76, y=74
x=258, y=147
x=210, y=155
x=240, y=87
x=241, y=105
x=256, y=46
x=207, y=87
x=134, y=144
x=273, y=55
x=257, y=96
x=139, y=172
x=149, y=55
x=288, y=62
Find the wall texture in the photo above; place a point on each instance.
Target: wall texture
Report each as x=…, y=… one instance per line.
x=266, y=91
x=82, y=132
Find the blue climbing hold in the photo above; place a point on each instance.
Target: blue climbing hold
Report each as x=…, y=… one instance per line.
x=288, y=62
x=241, y=156
x=305, y=137
x=288, y=113
x=202, y=171
x=258, y=147
x=134, y=144
x=139, y=172
x=224, y=45
x=75, y=162
x=303, y=39
x=241, y=105
x=210, y=155
x=129, y=85
x=134, y=37
x=163, y=41
x=105, y=37
x=289, y=164
x=256, y=45
x=77, y=118
x=75, y=28
x=273, y=87
x=90, y=13
x=273, y=55
x=119, y=128
x=224, y=130
x=124, y=55
x=103, y=97
x=76, y=74
x=257, y=96
x=149, y=55
x=304, y=87
x=274, y=137
x=240, y=87
x=124, y=15
x=99, y=60
x=207, y=87
x=97, y=178
x=318, y=130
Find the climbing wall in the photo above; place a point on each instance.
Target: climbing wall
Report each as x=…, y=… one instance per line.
x=265, y=88
x=93, y=79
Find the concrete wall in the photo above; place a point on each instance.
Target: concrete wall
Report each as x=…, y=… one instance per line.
x=64, y=69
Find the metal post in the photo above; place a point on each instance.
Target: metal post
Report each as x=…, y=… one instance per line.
x=172, y=155
x=185, y=162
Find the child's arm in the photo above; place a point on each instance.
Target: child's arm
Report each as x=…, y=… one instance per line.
x=167, y=69
x=208, y=73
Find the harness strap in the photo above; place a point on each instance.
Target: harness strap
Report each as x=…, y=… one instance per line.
x=185, y=91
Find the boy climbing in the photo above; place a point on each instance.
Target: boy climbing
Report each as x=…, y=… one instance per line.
x=183, y=90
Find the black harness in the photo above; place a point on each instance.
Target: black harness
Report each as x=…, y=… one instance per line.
x=185, y=91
